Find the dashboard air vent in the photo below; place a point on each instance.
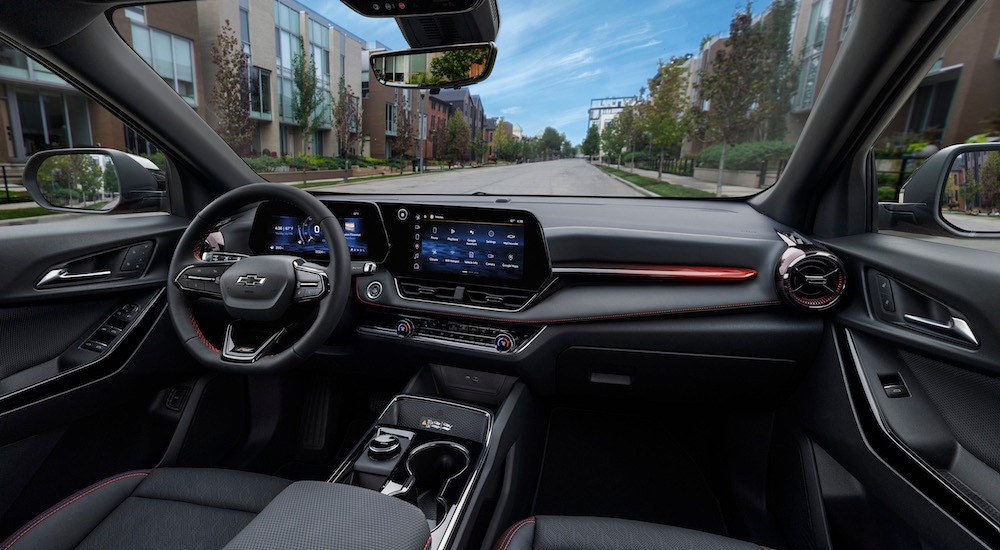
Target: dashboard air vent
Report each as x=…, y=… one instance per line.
x=448, y=293
x=810, y=277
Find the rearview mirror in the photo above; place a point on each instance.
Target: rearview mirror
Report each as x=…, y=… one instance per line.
x=94, y=181
x=955, y=192
x=409, y=8
x=435, y=68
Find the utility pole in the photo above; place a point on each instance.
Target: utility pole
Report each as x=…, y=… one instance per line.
x=421, y=133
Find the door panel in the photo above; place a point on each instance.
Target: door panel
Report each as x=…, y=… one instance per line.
x=919, y=340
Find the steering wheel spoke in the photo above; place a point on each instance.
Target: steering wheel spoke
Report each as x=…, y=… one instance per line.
x=201, y=278
x=311, y=282
x=246, y=351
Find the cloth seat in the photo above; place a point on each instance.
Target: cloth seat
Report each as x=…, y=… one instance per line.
x=594, y=533
x=198, y=509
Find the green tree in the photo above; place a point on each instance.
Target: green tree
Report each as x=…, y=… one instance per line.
x=502, y=141
x=777, y=71
x=613, y=140
x=733, y=87
x=479, y=148
x=307, y=97
x=230, y=95
x=989, y=180
x=663, y=115
x=457, y=64
x=111, y=184
x=406, y=130
x=551, y=141
x=568, y=151
x=458, y=138
x=345, y=117
x=591, y=145
x=630, y=128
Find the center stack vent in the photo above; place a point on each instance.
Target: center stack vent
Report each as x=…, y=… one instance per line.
x=450, y=293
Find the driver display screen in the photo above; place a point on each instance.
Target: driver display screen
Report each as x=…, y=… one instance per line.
x=468, y=248
x=303, y=237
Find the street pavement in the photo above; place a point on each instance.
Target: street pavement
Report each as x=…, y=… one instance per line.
x=569, y=177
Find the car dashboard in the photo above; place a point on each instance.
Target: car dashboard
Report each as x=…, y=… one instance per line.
x=583, y=295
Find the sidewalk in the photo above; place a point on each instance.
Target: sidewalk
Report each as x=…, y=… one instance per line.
x=687, y=181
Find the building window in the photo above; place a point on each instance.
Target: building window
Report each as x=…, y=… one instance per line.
x=284, y=140
x=136, y=144
x=245, y=30
x=171, y=56
x=13, y=62
x=319, y=41
x=849, y=9
x=286, y=18
x=45, y=120
x=390, y=119
x=285, y=93
x=930, y=106
x=260, y=93
x=811, y=55
x=137, y=14
x=317, y=143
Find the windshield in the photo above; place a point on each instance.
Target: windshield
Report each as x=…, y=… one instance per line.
x=667, y=99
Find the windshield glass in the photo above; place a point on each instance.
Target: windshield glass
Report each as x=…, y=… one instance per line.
x=665, y=99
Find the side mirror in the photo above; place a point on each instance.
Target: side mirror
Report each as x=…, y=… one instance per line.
x=435, y=68
x=955, y=192
x=94, y=181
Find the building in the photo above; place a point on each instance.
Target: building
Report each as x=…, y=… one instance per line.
x=603, y=111
x=471, y=107
x=494, y=125
x=43, y=112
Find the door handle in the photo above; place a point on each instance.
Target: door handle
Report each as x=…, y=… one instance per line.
x=953, y=328
x=61, y=275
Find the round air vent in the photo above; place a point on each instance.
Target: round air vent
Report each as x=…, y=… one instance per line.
x=810, y=277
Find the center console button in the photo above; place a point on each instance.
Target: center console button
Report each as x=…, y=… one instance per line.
x=383, y=447
x=504, y=342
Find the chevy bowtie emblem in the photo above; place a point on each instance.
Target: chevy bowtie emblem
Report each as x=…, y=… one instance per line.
x=251, y=280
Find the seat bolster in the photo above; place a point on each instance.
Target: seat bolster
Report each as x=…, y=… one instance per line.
x=67, y=523
x=520, y=536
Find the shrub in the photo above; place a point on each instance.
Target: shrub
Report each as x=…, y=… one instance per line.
x=264, y=164
x=886, y=194
x=159, y=160
x=745, y=156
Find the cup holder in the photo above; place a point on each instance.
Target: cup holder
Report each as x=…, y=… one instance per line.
x=432, y=467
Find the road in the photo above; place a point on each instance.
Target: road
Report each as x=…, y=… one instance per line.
x=558, y=177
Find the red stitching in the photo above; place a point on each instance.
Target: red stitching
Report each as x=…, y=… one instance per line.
x=426, y=546
x=200, y=335
x=516, y=529
x=357, y=289
x=67, y=503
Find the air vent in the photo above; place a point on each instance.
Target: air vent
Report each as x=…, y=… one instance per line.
x=810, y=277
x=448, y=293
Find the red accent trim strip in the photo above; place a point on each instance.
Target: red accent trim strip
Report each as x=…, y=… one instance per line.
x=357, y=291
x=686, y=272
x=24, y=531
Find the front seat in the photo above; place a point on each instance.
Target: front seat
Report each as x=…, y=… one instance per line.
x=181, y=508
x=590, y=533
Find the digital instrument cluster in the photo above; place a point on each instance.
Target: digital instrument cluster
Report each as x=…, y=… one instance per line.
x=279, y=230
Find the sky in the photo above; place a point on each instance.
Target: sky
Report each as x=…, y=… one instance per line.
x=554, y=57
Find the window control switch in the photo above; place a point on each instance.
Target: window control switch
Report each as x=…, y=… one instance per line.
x=894, y=391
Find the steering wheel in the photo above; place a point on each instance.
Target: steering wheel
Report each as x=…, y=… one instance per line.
x=258, y=290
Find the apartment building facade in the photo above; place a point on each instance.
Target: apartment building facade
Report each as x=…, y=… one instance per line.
x=40, y=111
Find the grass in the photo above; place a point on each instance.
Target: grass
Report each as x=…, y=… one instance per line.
x=326, y=183
x=24, y=213
x=658, y=187
x=15, y=196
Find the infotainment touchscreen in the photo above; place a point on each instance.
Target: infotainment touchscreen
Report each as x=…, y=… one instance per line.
x=452, y=246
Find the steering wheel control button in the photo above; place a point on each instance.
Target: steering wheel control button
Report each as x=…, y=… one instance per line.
x=504, y=343
x=404, y=328
x=374, y=290
x=310, y=284
x=383, y=447
x=402, y=214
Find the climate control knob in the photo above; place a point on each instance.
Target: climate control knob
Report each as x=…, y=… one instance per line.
x=504, y=342
x=404, y=328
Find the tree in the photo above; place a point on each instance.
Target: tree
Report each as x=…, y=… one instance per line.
x=663, y=115
x=551, y=141
x=458, y=138
x=502, y=141
x=778, y=72
x=568, y=151
x=989, y=180
x=457, y=65
x=591, y=145
x=479, y=147
x=733, y=87
x=345, y=117
x=307, y=97
x=629, y=127
x=230, y=99
x=612, y=140
x=406, y=131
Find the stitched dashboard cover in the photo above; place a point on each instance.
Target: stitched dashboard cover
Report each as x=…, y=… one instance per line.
x=315, y=515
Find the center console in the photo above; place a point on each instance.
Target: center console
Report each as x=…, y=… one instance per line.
x=426, y=451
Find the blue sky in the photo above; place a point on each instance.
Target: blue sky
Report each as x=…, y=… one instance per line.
x=554, y=57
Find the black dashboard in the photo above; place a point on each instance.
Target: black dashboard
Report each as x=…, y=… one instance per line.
x=567, y=292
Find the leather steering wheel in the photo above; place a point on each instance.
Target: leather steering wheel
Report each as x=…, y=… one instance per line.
x=258, y=290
